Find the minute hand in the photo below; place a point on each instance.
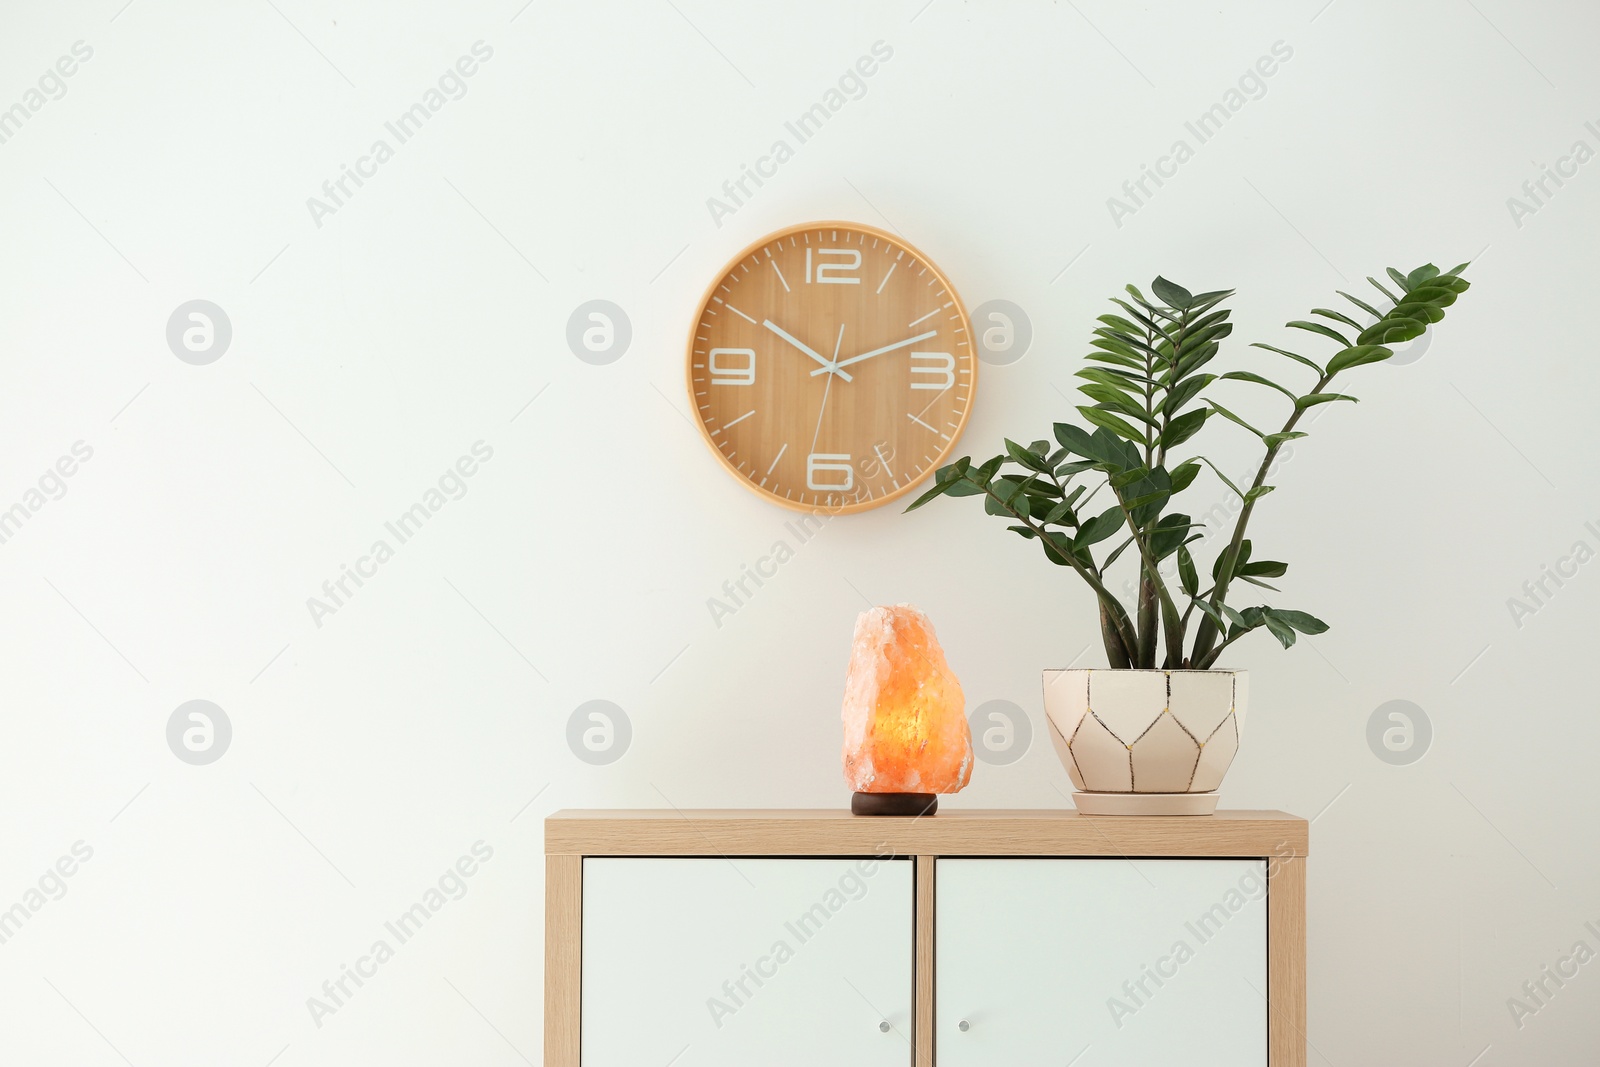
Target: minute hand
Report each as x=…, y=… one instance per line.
x=885, y=348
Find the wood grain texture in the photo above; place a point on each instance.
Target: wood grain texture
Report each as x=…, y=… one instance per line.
x=766, y=336
x=1286, y=962
x=922, y=1045
x=827, y=832
x=563, y=959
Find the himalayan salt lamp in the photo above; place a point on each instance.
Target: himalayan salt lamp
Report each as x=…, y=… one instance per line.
x=905, y=731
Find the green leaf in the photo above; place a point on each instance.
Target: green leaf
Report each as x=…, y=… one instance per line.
x=1399, y=279
x=1184, y=392
x=1231, y=417
x=1225, y=480
x=1184, y=427
x=1169, y=535
x=1145, y=498
x=1117, y=358
x=1212, y=613
x=1026, y=457
x=1174, y=295
x=1338, y=316
x=1022, y=531
x=944, y=480
x=936, y=490
x=1317, y=327
x=1359, y=355
x=1125, y=381
x=965, y=487
x=1118, y=323
x=1145, y=320
x=1115, y=400
x=1206, y=301
x=1099, y=528
x=1362, y=304
x=1257, y=493
x=1183, y=475
x=1273, y=440
x=1247, y=376
x=1122, y=479
x=1292, y=355
x=1057, y=548
x=1280, y=629
x=1106, y=420
x=1311, y=400
x=1426, y=272
x=1060, y=511
x=1115, y=552
x=1379, y=286
x=1394, y=331
x=998, y=501
x=1306, y=624
x=1075, y=439
x=1263, y=568
x=1186, y=572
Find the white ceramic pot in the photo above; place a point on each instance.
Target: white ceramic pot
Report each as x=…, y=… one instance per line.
x=1145, y=742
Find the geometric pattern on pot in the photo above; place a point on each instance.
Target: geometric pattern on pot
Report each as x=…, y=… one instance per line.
x=1216, y=754
x=1064, y=752
x=1135, y=731
x=1127, y=702
x=1104, y=762
x=1164, y=758
x=1201, y=700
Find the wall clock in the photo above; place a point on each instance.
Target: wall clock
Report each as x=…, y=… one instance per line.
x=831, y=366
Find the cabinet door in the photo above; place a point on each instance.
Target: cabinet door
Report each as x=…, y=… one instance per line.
x=1143, y=963
x=713, y=962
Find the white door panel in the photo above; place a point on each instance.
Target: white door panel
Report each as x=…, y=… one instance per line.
x=733, y=963
x=1121, y=963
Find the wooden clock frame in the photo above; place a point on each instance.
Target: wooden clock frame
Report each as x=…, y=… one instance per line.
x=964, y=328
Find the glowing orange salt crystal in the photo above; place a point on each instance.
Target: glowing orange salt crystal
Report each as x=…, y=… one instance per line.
x=904, y=727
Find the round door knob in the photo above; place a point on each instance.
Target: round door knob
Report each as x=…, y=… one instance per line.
x=884, y=1026
x=963, y=1026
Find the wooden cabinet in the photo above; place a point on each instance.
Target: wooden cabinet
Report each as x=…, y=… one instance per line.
x=712, y=938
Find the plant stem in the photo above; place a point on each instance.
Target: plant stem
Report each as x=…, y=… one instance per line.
x=1108, y=601
x=1206, y=635
x=1169, y=610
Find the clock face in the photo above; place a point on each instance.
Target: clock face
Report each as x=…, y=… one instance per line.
x=831, y=367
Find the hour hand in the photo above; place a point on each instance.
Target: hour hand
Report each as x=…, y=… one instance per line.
x=827, y=365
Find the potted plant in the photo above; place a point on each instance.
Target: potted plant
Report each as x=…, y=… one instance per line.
x=1156, y=732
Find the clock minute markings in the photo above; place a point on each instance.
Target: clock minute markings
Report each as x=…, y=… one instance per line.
x=784, y=281
x=885, y=281
x=925, y=426
x=735, y=310
x=773, y=465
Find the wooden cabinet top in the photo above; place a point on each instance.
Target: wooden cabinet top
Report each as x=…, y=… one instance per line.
x=959, y=832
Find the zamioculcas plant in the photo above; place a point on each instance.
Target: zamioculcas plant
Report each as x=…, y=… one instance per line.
x=1151, y=394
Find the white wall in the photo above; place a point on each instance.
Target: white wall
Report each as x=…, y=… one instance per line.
x=429, y=712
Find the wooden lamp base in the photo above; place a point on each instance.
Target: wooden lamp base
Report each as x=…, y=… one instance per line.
x=904, y=804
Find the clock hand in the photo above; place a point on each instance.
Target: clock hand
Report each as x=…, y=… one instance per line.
x=826, y=389
x=802, y=346
x=880, y=351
